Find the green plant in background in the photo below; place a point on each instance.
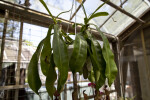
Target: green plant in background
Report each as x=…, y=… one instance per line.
x=86, y=49
x=28, y=43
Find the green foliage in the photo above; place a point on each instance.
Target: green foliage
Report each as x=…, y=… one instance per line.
x=33, y=74
x=98, y=63
x=85, y=70
x=91, y=76
x=60, y=57
x=51, y=78
x=54, y=18
x=85, y=50
x=28, y=43
x=94, y=14
x=97, y=15
x=68, y=39
x=79, y=54
x=46, y=52
x=111, y=69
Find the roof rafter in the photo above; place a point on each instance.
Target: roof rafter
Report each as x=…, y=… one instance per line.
x=123, y=11
x=77, y=10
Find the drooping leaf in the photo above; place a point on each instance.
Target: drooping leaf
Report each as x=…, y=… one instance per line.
x=46, y=52
x=51, y=78
x=95, y=60
x=61, y=60
x=98, y=63
x=97, y=53
x=85, y=71
x=91, y=76
x=33, y=74
x=111, y=69
x=97, y=15
x=79, y=54
x=87, y=68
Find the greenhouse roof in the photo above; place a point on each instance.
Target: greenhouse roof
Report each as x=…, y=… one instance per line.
x=115, y=23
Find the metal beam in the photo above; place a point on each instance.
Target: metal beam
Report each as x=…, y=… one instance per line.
x=113, y=13
x=77, y=10
x=123, y=11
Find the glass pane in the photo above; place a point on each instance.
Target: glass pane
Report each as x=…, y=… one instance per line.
x=1, y=26
x=119, y=21
x=135, y=65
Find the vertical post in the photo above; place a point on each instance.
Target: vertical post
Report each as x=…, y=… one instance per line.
x=3, y=41
x=117, y=81
x=135, y=82
x=75, y=92
x=145, y=54
x=124, y=66
x=65, y=92
x=19, y=60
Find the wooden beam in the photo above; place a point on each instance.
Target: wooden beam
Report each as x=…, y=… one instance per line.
x=13, y=87
x=19, y=60
x=10, y=87
x=27, y=86
x=145, y=54
x=117, y=81
x=3, y=41
x=38, y=18
x=123, y=11
x=124, y=65
x=77, y=10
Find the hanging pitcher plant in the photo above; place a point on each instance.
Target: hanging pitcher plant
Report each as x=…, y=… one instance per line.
x=86, y=49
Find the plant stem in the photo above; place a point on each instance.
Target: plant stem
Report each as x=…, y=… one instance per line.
x=75, y=92
x=84, y=10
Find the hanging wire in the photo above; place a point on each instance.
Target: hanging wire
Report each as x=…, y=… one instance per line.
x=75, y=18
x=70, y=14
x=121, y=3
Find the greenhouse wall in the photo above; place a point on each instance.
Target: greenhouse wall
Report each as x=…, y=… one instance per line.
x=135, y=63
